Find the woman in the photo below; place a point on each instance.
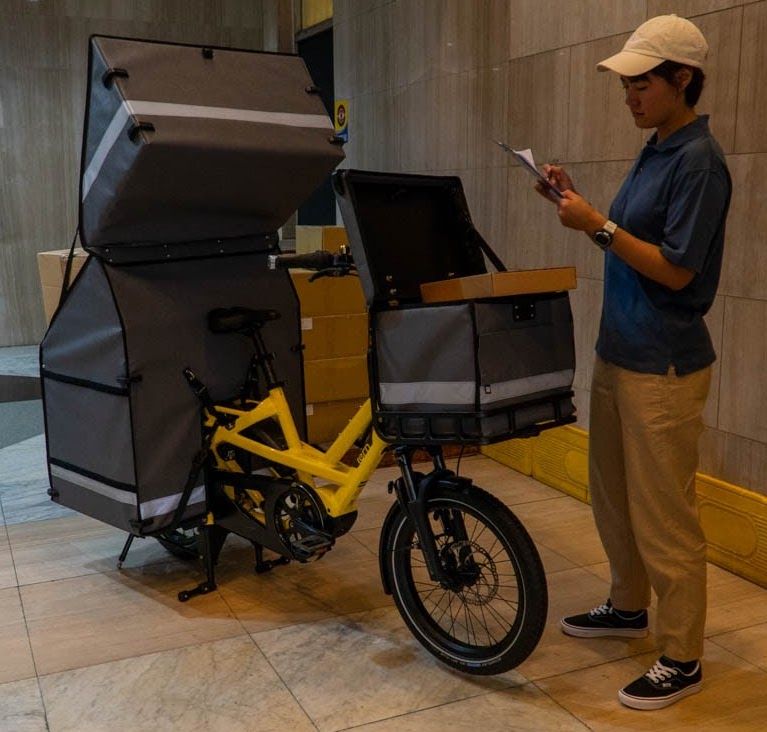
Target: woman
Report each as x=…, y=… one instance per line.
x=663, y=242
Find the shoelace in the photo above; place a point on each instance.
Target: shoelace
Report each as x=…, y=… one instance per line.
x=659, y=673
x=604, y=609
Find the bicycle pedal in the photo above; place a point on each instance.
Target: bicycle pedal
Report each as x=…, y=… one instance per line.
x=312, y=546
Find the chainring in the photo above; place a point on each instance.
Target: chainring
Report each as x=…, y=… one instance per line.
x=297, y=514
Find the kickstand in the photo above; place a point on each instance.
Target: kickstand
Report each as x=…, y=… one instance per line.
x=265, y=565
x=124, y=552
x=213, y=538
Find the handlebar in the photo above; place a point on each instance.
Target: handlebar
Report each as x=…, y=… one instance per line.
x=324, y=264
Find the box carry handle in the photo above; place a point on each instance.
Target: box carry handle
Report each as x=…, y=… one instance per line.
x=109, y=75
x=139, y=127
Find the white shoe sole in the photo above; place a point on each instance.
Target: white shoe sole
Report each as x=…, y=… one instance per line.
x=574, y=630
x=666, y=701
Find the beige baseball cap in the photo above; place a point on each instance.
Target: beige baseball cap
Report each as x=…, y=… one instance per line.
x=662, y=38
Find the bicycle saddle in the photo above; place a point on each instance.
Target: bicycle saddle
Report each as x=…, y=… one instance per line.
x=239, y=319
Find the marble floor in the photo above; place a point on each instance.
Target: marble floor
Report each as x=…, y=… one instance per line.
x=85, y=647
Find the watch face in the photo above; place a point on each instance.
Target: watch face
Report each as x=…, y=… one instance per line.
x=603, y=238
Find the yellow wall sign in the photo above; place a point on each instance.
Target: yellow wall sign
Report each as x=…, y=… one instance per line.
x=341, y=118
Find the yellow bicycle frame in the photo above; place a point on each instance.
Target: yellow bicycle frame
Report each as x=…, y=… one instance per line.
x=337, y=484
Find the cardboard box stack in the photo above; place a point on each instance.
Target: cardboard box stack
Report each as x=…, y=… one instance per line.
x=334, y=330
x=326, y=238
x=51, y=266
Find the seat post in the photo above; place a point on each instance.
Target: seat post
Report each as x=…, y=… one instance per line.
x=264, y=359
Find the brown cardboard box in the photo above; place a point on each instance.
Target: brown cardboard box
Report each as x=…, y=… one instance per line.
x=336, y=379
x=334, y=336
x=327, y=238
x=326, y=420
x=51, y=266
x=334, y=237
x=497, y=284
x=328, y=295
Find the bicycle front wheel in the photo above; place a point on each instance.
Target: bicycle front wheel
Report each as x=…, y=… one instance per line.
x=490, y=615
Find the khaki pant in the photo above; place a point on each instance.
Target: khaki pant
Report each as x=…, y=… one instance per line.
x=643, y=454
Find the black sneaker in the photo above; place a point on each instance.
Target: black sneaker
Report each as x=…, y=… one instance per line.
x=665, y=683
x=605, y=620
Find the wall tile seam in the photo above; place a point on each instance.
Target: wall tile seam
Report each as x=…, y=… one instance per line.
x=729, y=296
x=745, y=152
x=734, y=5
x=743, y=438
x=395, y=87
x=177, y=23
x=624, y=33
x=563, y=161
x=718, y=363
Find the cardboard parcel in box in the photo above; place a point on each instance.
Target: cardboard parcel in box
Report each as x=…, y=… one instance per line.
x=193, y=158
x=473, y=372
x=500, y=284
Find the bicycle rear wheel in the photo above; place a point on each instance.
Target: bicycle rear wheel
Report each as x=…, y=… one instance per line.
x=492, y=615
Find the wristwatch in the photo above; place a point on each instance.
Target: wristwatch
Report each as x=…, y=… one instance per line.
x=603, y=237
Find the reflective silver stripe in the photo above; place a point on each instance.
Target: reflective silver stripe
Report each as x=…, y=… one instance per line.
x=284, y=119
x=528, y=385
x=166, y=504
x=96, y=486
x=428, y=392
x=115, y=127
x=155, y=507
x=462, y=392
x=166, y=109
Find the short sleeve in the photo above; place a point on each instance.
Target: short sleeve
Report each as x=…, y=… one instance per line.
x=698, y=204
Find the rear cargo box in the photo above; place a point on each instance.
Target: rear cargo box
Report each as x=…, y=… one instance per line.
x=192, y=160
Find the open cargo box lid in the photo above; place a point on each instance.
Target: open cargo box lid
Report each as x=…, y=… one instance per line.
x=193, y=151
x=405, y=230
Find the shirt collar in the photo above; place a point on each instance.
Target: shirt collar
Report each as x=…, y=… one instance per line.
x=696, y=128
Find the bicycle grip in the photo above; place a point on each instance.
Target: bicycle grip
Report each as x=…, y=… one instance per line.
x=315, y=260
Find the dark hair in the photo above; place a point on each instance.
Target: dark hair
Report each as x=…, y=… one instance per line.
x=668, y=70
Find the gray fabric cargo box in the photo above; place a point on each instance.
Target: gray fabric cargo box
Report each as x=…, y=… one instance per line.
x=122, y=424
x=192, y=159
x=471, y=372
x=205, y=148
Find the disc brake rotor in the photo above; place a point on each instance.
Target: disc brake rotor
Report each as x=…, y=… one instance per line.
x=476, y=569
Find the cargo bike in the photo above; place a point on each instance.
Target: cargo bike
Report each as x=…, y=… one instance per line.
x=171, y=351
x=462, y=570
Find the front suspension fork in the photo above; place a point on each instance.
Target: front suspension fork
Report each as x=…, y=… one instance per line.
x=412, y=490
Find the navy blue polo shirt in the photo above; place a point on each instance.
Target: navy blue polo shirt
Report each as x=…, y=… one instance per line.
x=676, y=196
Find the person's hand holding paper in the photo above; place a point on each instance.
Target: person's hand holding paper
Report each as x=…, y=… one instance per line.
x=556, y=175
x=525, y=157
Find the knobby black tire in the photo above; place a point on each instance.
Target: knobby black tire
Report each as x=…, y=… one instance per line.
x=509, y=592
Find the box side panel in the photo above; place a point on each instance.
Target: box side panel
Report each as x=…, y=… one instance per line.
x=85, y=340
x=425, y=356
x=164, y=308
x=525, y=347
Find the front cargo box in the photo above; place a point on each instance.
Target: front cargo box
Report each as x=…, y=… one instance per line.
x=470, y=371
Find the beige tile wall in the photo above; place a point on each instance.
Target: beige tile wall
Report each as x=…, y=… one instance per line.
x=542, y=25
x=43, y=57
x=750, y=132
x=462, y=72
